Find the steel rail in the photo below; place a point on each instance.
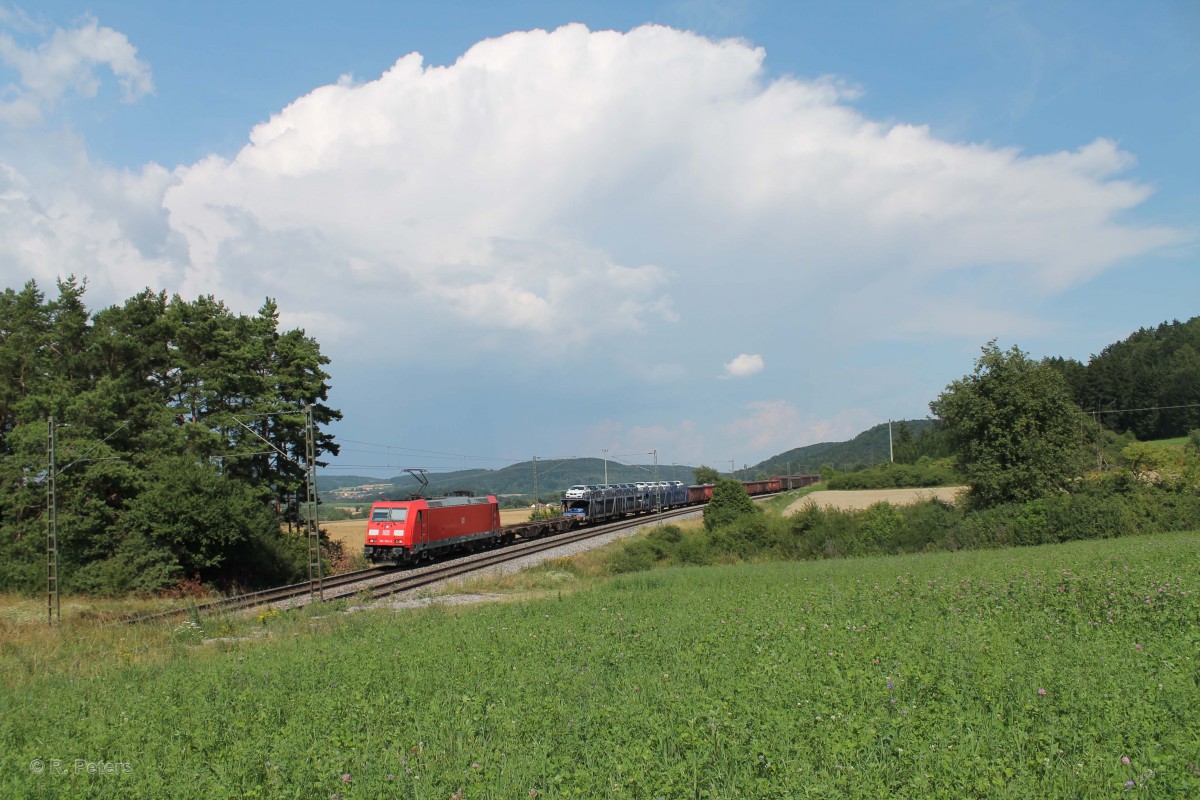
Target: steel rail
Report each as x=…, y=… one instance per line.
x=261, y=597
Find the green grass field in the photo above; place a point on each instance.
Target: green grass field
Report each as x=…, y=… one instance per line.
x=1060, y=671
x=1168, y=444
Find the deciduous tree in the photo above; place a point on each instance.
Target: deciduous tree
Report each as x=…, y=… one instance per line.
x=1013, y=426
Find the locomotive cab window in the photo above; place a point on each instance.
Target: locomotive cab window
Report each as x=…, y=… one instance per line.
x=389, y=515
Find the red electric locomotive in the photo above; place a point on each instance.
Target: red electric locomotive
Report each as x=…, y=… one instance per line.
x=403, y=531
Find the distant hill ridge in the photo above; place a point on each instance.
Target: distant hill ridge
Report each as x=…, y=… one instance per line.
x=869, y=447
x=554, y=476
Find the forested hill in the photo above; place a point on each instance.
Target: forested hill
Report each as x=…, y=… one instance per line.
x=1148, y=383
x=869, y=447
x=553, y=477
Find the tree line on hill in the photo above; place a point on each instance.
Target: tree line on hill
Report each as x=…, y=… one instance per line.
x=1147, y=384
x=1013, y=430
x=180, y=440
x=870, y=447
x=514, y=482
x=1145, y=387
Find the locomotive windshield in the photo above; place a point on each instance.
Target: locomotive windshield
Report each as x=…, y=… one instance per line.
x=389, y=514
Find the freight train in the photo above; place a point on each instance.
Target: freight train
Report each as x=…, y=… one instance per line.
x=407, y=531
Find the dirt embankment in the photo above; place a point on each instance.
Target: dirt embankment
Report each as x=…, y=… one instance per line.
x=864, y=498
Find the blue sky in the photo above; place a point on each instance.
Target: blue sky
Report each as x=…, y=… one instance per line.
x=718, y=230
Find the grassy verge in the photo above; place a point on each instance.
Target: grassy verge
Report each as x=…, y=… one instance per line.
x=1058, y=671
x=776, y=504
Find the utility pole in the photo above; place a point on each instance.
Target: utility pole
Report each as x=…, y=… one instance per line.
x=657, y=488
x=315, y=572
x=53, y=610
x=605, y=451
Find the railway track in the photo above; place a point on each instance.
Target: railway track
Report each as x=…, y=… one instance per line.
x=261, y=598
x=395, y=579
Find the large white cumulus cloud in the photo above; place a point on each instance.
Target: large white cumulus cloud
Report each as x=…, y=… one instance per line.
x=576, y=185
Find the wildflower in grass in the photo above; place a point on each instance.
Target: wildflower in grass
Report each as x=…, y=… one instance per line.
x=1130, y=784
x=533, y=792
x=1041, y=692
x=1137, y=647
x=1125, y=760
x=346, y=778
x=891, y=686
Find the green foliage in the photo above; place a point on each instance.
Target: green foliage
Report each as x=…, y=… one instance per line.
x=642, y=553
x=331, y=513
x=929, y=445
x=897, y=476
x=1105, y=506
x=1148, y=384
x=159, y=404
x=1170, y=466
x=1014, y=428
x=729, y=503
x=544, y=512
x=704, y=474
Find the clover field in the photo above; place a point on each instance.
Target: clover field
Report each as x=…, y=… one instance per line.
x=1060, y=671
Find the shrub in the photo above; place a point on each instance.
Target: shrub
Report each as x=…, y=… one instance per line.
x=1101, y=508
x=897, y=476
x=729, y=502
